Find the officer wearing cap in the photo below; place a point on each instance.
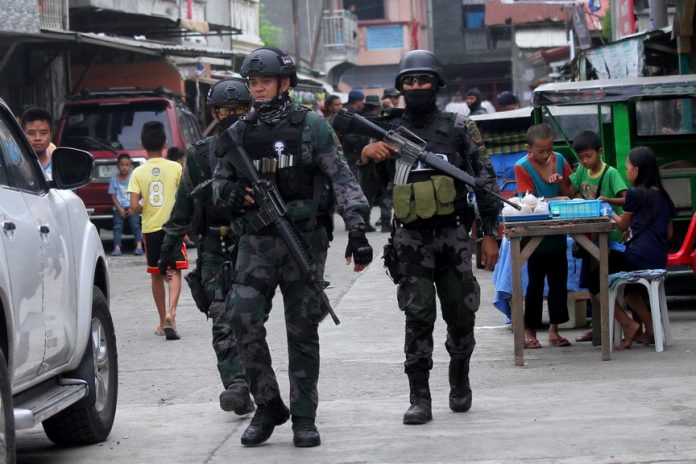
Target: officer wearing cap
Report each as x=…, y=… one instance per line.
x=297, y=150
x=508, y=101
x=390, y=98
x=228, y=100
x=431, y=241
x=353, y=144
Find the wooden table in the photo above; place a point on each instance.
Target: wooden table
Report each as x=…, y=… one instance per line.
x=536, y=231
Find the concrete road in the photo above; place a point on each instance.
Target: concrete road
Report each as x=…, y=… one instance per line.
x=564, y=406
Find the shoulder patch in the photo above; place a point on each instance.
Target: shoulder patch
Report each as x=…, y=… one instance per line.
x=473, y=130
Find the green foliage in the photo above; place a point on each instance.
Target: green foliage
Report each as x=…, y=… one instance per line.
x=605, y=21
x=269, y=33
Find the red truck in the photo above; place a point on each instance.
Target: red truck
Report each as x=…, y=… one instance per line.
x=107, y=123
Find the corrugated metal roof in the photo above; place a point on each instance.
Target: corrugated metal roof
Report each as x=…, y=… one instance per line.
x=128, y=44
x=542, y=37
x=498, y=14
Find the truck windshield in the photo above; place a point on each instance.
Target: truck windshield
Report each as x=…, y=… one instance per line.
x=112, y=127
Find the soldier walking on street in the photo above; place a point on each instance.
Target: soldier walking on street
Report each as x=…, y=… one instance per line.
x=298, y=152
x=431, y=243
x=194, y=213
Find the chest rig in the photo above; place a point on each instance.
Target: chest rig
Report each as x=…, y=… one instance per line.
x=425, y=196
x=277, y=154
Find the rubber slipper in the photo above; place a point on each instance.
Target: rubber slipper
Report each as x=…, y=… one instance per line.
x=170, y=329
x=560, y=342
x=531, y=344
x=170, y=333
x=586, y=337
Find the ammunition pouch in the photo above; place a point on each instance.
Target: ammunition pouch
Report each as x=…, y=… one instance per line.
x=200, y=296
x=423, y=200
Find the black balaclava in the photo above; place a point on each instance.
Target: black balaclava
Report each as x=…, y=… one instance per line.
x=224, y=123
x=477, y=104
x=420, y=105
x=274, y=109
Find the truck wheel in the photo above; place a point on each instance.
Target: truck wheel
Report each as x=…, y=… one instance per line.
x=7, y=428
x=89, y=420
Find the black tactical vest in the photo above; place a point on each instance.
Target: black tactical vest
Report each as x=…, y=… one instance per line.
x=206, y=160
x=277, y=155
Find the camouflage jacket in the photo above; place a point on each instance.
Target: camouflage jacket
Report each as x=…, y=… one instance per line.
x=320, y=148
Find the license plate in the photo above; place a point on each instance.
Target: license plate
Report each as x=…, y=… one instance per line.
x=106, y=171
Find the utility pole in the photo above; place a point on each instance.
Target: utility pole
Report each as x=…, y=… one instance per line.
x=296, y=32
x=658, y=14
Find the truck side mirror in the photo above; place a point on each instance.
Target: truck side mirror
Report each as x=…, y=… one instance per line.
x=71, y=168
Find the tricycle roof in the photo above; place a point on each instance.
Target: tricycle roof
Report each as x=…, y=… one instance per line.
x=613, y=90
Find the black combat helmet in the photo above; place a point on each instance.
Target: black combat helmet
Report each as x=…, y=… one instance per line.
x=266, y=61
x=420, y=61
x=228, y=92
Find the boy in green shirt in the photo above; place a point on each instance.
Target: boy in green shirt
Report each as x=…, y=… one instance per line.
x=594, y=179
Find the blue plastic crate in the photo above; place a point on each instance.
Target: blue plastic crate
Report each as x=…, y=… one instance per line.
x=573, y=209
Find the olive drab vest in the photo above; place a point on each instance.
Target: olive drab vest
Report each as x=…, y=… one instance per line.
x=431, y=196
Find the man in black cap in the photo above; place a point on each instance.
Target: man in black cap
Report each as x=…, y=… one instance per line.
x=508, y=101
x=353, y=143
x=390, y=98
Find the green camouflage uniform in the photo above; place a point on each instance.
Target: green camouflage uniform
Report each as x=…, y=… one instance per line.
x=434, y=254
x=211, y=253
x=263, y=261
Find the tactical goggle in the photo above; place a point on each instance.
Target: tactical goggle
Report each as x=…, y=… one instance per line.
x=225, y=111
x=422, y=79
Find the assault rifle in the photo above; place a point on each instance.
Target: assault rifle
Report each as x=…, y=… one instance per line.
x=272, y=210
x=412, y=149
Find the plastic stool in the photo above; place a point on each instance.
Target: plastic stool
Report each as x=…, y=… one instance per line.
x=654, y=281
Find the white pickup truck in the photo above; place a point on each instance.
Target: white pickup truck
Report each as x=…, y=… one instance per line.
x=58, y=361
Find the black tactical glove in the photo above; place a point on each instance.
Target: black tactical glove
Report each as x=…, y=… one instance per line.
x=167, y=260
x=233, y=193
x=358, y=246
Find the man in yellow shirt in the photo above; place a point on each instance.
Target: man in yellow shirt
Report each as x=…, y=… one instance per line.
x=154, y=184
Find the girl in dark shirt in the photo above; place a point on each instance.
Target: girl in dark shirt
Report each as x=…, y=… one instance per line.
x=648, y=214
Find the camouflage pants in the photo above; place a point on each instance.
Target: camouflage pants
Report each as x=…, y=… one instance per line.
x=445, y=254
x=228, y=362
x=265, y=259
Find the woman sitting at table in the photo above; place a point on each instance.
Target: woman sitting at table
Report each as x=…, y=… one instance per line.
x=648, y=213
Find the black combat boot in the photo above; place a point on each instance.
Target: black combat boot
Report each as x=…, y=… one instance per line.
x=460, y=391
x=267, y=416
x=304, y=432
x=236, y=398
x=420, y=410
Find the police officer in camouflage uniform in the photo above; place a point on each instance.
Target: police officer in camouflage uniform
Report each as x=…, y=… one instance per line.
x=431, y=244
x=298, y=151
x=193, y=212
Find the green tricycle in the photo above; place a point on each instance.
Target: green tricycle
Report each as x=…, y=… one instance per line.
x=658, y=112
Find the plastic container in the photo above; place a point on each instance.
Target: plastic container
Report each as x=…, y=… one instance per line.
x=574, y=209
